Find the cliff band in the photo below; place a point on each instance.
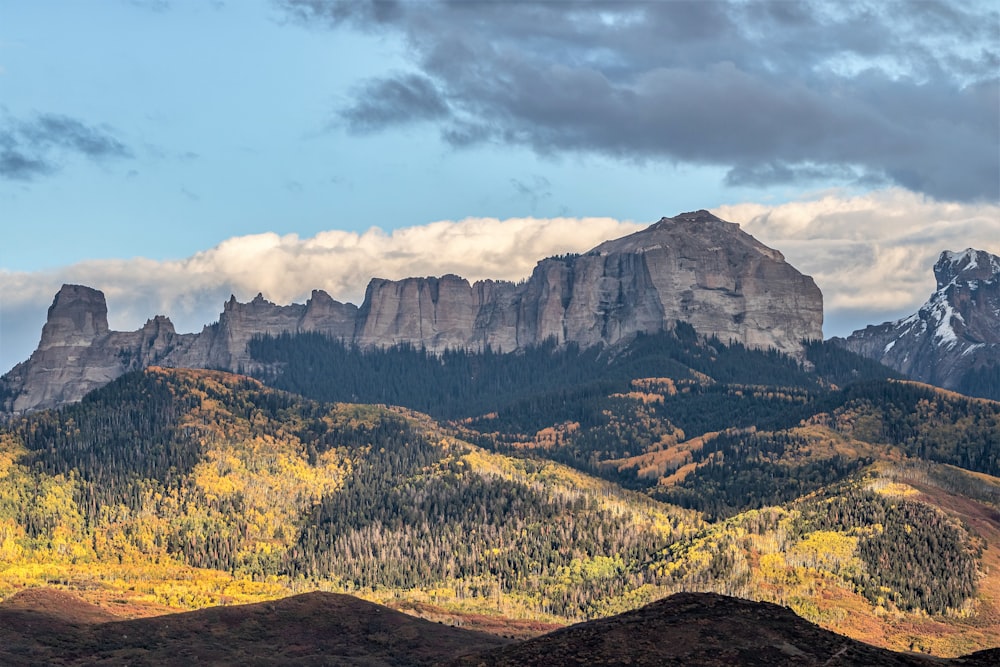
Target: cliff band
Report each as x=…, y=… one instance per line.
x=693, y=267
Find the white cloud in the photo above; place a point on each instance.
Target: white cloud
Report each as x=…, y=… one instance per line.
x=871, y=255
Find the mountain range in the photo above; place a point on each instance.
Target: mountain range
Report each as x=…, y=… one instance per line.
x=693, y=267
x=662, y=444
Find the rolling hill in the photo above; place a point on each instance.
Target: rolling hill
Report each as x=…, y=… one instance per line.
x=697, y=629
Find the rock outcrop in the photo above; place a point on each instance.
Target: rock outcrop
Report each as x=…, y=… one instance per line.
x=694, y=268
x=78, y=352
x=223, y=345
x=954, y=335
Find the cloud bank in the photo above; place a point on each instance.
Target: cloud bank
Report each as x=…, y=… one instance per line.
x=777, y=92
x=871, y=256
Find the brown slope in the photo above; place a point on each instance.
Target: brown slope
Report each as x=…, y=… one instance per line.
x=54, y=604
x=697, y=629
x=982, y=627
x=38, y=623
x=308, y=629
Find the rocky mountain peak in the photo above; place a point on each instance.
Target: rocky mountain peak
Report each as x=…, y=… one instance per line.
x=158, y=327
x=955, y=332
x=79, y=353
x=700, y=216
x=77, y=316
x=687, y=229
x=965, y=267
x=257, y=302
x=699, y=223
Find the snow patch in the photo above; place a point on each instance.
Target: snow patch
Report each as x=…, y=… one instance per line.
x=968, y=255
x=943, y=315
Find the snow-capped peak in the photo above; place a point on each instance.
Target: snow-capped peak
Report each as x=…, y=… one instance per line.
x=967, y=259
x=967, y=265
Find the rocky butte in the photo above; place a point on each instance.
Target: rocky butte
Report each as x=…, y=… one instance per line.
x=693, y=267
x=955, y=332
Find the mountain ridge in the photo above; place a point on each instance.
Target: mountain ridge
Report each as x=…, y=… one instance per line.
x=308, y=628
x=695, y=268
x=953, y=340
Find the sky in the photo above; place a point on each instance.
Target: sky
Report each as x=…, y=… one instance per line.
x=173, y=152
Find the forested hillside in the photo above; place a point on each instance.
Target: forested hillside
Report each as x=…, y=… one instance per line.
x=714, y=427
x=234, y=477
x=459, y=384
x=191, y=488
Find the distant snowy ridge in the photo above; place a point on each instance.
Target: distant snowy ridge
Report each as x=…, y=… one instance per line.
x=953, y=340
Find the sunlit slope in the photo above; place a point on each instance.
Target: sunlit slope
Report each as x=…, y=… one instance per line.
x=193, y=488
x=264, y=491
x=900, y=555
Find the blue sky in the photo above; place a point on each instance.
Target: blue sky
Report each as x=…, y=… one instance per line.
x=172, y=152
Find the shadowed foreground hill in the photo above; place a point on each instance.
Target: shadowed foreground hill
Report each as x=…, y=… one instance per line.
x=51, y=627
x=702, y=629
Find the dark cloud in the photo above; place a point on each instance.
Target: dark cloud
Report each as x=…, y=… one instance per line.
x=17, y=166
x=406, y=98
x=37, y=147
x=361, y=13
x=774, y=91
x=775, y=173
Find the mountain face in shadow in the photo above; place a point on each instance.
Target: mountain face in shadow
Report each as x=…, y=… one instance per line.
x=701, y=629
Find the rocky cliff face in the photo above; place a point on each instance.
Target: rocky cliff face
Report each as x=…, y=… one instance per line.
x=694, y=267
x=956, y=332
x=724, y=282
x=78, y=353
x=223, y=345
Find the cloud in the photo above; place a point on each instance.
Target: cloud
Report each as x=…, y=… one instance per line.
x=777, y=92
x=16, y=165
x=36, y=147
x=406, y=98
x=870, y=255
